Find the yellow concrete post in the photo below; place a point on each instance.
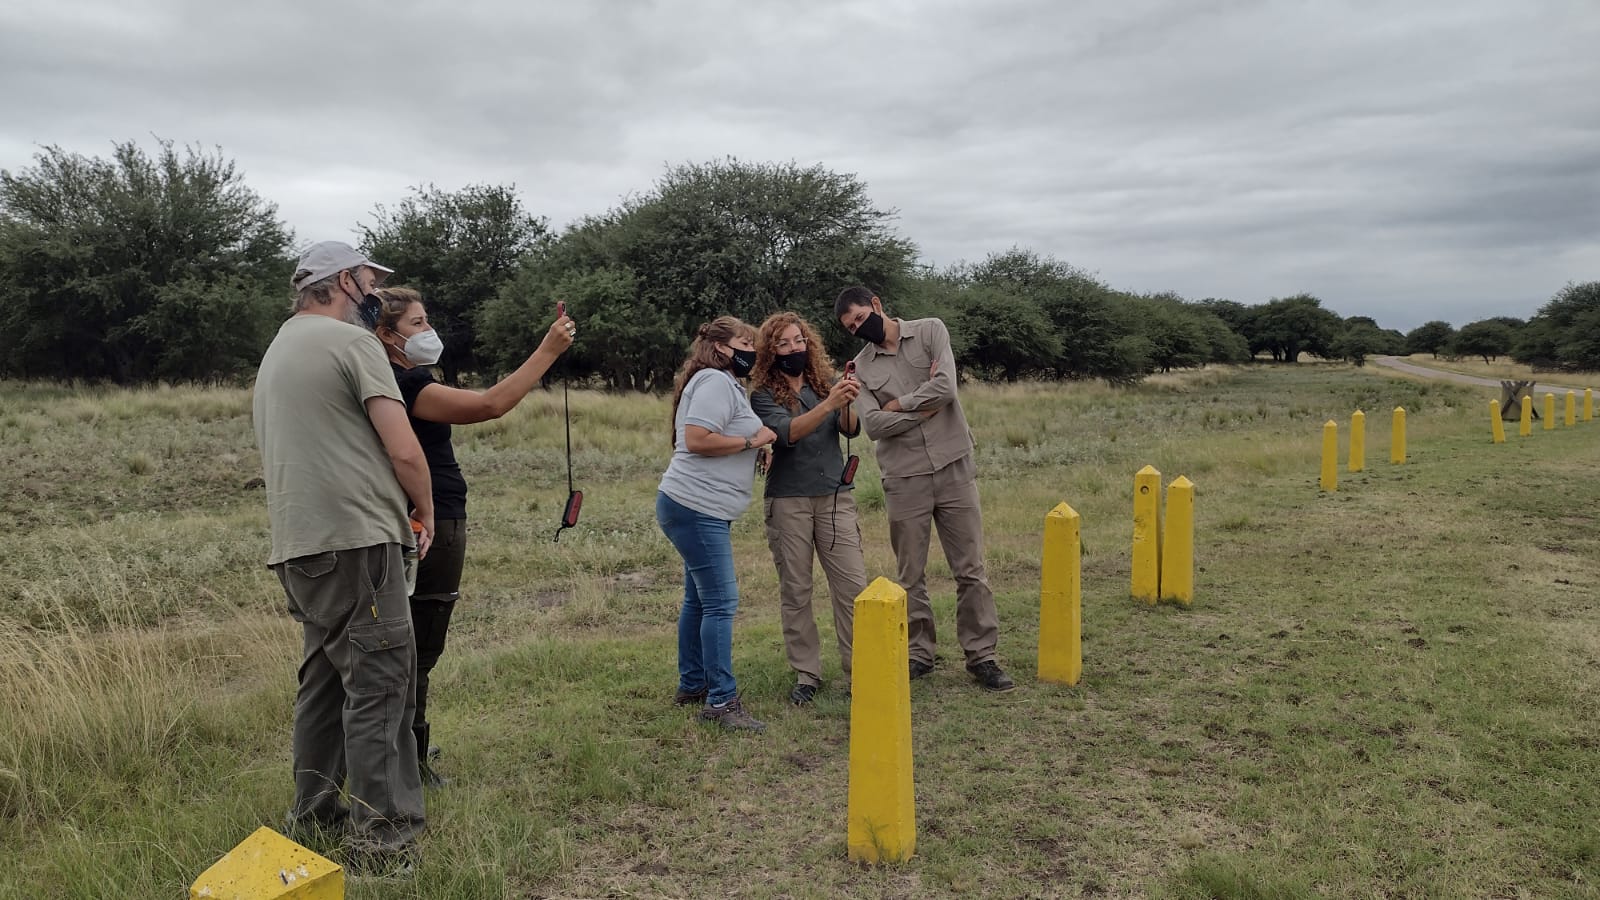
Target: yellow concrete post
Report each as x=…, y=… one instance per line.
x=1525, y=424
x=1570, y=416
x=1495, y=424
x=882, y=820
x=1147, y=535
x=1549, y=412
x=268, y=866
x=1330, y=456
x=1061, y=598
x=1588, y=404
x=1397, y=437
x=1177, y=543
x=1358, y=441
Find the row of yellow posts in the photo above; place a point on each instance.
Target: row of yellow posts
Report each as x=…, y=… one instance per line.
x=881, y=820
x=1525, y=422
x=1358, y=445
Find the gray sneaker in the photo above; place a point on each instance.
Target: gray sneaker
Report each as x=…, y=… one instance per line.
x=731, y=717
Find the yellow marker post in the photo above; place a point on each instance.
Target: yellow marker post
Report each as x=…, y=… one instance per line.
x=1495, y=424
x=1588, y=404
x=1147, y=535
x=1330, y=456
x=1177, y=543
x=1061, y=598
x=1358, y=441
x=1549, y=412
x=1397, y=437
x=882, y=820
x=268, y=866
x=1570, y=416
x=1525, y=424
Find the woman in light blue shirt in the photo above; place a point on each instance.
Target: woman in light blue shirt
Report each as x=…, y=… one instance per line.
x=708, y=484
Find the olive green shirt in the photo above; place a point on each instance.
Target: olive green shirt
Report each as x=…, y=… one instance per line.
x=330, y=484
x=907, y=442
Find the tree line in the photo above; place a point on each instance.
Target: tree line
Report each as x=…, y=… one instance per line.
x=167, y=266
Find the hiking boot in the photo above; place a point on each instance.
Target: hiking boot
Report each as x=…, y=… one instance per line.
x=686, y=698
x=430, y=775
x=920, y=668
x=731, y=717
x=377, y=862
x=802, y=694
x=991, y=677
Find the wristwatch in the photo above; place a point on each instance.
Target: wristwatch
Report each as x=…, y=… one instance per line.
x=747, y=443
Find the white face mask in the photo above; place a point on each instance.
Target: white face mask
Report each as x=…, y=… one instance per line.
x=424, y=348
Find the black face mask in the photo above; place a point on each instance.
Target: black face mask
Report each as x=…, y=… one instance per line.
x=871, y=329
x=794, y=363
x=743, y=362
x=369, y=307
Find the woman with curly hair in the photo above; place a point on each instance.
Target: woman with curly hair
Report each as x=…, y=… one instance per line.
x=715, y=439
x=809, y=508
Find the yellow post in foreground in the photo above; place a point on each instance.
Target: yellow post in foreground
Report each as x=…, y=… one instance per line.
x=1177, y=543
x=882, y=820
x=1525, y=425
x=1570, y=416
x=1146, y=584
x=1588, y=404
x=1397, y=437
x=268, y=866
x=1061, y=598
x=1358, y=441
x=1494, y=422
x=1549, y=412
x=1330, y=456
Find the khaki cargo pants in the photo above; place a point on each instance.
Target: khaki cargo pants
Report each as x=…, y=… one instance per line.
x=947, y=498
x=799, y=528
x=353, y=710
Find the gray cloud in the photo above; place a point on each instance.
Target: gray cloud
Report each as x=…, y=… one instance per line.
x=1434, y=160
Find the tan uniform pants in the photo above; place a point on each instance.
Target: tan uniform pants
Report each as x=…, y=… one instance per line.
x=799, y=528
x=947, y=498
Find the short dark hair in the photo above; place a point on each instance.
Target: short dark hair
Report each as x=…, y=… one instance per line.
x=852, y=296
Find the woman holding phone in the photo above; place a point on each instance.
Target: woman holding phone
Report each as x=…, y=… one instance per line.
x=413, y=346
x=809, y=507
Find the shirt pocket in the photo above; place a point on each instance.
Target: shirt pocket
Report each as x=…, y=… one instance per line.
x=877, y=381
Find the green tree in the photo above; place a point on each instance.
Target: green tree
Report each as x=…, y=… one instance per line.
x=1005, y=334
x=1489, y=339
x=1565, y=333
x=459, y=248
x=1289, y=326
x=1358, y=341
x=137, y=267
x=1429, y=337
x=709, y=239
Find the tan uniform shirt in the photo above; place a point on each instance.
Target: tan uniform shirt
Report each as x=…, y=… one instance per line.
x=907, y=442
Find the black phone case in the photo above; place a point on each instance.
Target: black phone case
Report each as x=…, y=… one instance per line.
x=569, y=516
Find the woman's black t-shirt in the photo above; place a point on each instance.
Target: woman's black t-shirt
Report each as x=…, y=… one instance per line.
x=449, y=488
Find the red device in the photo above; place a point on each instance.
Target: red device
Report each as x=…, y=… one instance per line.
x=561, y=308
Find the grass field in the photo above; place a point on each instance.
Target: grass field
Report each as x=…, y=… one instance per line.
x=1386, y=691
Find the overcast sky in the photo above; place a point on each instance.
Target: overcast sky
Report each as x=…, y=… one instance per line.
x=1406, y=161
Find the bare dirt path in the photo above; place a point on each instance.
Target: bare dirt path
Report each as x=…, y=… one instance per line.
x=1398, y=364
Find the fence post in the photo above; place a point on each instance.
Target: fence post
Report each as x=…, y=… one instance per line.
x=1358, y=441
x=1177, y=543
x=1397, y=437
x=1495, y=424
x=1569, y=418
x=1061, y=598
x=1146, y=582
x=882, y=820
x=1330, y=455
x=1525, y=424
x=1549, y=412
x=1588, y=404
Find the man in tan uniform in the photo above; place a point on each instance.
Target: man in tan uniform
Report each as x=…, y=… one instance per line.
x=910, y=409
x=341, y=462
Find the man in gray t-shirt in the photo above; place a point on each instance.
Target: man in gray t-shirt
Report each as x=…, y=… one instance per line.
x=341, y=463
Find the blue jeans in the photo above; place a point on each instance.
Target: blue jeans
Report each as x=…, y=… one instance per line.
x=710, y=598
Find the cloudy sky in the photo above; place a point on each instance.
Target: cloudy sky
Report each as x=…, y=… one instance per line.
x=1406, y=161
